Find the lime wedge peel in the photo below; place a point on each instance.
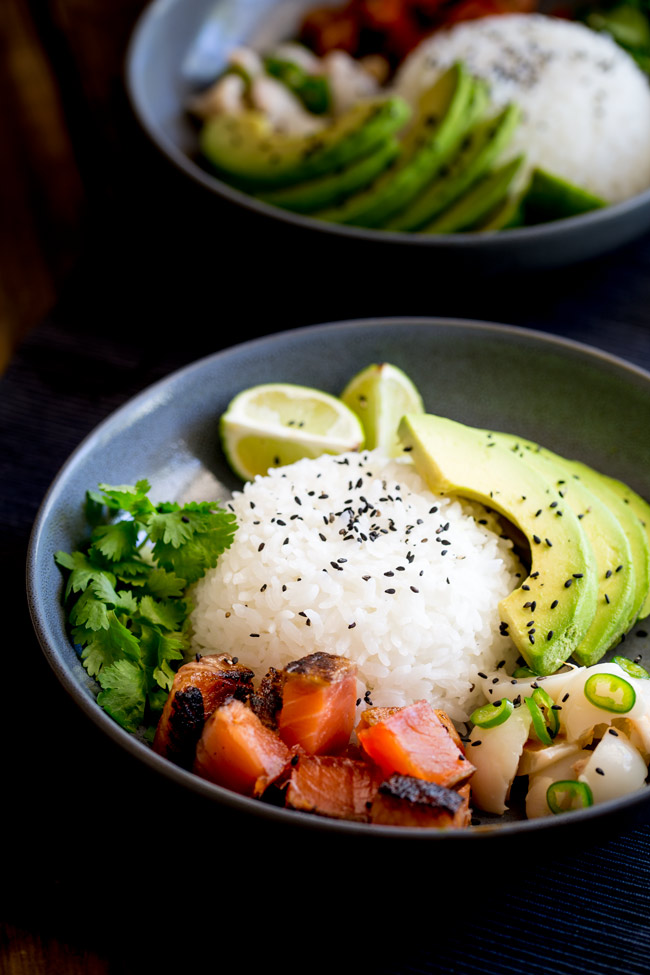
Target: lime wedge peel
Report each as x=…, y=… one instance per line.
x=380, y=395
x=274, y=424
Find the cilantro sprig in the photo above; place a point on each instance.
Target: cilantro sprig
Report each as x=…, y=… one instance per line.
x=126, y=593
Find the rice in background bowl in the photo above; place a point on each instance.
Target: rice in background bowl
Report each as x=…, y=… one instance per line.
x=353, y=555
x=585, y=103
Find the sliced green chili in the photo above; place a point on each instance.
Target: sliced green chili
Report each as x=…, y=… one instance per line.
x=539, y=725
x=631, y=668
x=491, y=715
x=546, y=705
x=611, y=693
x=567, y=795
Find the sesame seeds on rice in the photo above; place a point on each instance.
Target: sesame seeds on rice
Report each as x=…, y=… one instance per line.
x=353, y=555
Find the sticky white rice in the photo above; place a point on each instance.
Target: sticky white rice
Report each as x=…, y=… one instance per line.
x=585, y=102
x=352, y=555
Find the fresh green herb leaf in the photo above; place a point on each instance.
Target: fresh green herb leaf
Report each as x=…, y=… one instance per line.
x=123, y=693
x=126, y=593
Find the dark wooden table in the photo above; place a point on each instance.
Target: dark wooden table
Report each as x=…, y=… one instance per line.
x=105, y=868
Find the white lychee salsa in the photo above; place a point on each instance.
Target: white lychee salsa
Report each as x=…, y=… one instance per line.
x=487, y=125
x=462, y=570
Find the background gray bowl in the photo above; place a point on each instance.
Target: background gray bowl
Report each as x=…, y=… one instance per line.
x=577, y=401
x=179, y=46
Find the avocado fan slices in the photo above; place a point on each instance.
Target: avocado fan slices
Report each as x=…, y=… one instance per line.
x=479, y=201
x=256, y=157
x=442, y=119
x=479, y=152
x=617, y=605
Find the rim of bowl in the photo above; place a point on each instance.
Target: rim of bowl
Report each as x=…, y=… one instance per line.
x=51, y=636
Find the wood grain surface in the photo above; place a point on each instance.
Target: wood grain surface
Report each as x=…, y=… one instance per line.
x=60, y=104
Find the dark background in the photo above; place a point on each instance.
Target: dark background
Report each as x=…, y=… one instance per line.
x=113, y=272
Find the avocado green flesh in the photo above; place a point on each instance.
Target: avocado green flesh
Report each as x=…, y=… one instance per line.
x=432, y=139
x=334, y=187
x=549, y=618
x=550, y=197
x=633, y=527
x=609, y=543
x=507, y=214
x=479, y=151
x=257, y=157
x=627, y=507
x=478, y=201
x=641, y=509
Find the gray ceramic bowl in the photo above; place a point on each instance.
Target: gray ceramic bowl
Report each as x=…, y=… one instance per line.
x=179, y=46
x=577, y=401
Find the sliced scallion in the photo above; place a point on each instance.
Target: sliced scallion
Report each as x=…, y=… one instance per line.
x=567, y=795
x=491, y=715
x=631, y=668
x=610, y=693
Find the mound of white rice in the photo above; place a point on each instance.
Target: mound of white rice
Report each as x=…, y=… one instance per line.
x=585, y=102
x=352, y=555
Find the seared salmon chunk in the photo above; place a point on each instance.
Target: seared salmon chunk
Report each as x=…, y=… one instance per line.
x=198, y=688
x=403, y=800
x=236, y=751
x=266, y=701
x=415, y=741
x=319, y=694
x=333, y=786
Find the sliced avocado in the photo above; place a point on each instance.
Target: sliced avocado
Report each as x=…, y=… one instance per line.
x=478, y=201
x=609, y=543
x=507, y=214
x=248, y=150
x=641, y=509
x=549, y=615
x=550, y=197
x=480, y=150
x=336, y=186
x=434, y=136
x=633, y=526
x=633, y=515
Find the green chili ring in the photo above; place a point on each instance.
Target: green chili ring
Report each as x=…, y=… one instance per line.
x=631, y=668
x=539, y=724
x=545, y=702
x=615, y=685
x=575, y=791
x=492, y=715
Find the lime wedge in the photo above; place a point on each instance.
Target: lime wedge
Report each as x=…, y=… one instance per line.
x=380, y=395
x=279, y=423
